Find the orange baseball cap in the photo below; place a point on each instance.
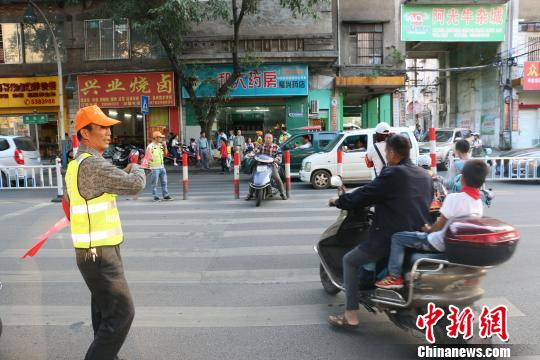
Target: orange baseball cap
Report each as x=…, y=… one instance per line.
x=157, y=134
x=92, y=115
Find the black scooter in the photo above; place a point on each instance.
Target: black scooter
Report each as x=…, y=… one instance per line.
x=122, y=153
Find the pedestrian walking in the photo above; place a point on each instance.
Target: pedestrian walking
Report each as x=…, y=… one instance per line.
x=376, y=154
x=239, y=143
x=157, y=151
x=96, y=230
x=174, y=148
x=230, y=138
x=203, y=146
x=418, y=133
x=224, y=155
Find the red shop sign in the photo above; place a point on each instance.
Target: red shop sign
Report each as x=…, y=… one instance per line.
x=125, y=90
x=531, y=75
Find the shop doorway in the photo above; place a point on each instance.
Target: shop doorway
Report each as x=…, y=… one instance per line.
x=252, y=119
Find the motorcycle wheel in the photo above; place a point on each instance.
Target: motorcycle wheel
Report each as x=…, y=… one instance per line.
x=259, y=197
x=326, y=283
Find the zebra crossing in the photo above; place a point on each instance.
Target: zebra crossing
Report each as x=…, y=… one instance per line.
x=207, y=263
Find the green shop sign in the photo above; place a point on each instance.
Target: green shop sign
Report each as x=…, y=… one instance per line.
x=453, y=22
x=35, y=119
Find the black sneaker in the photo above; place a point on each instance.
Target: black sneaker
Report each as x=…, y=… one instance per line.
x=249, y=197
x=156, y=198
x=283, y=196
x=168, y=198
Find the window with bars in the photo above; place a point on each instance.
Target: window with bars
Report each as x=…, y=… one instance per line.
x=533, y=48
x=366, y=44
x=106, y=39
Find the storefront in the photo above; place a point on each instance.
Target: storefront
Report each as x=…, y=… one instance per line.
x=262, y=99
x=28, y=96
x=119, y=95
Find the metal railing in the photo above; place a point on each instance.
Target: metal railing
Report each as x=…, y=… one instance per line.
x=32, y=177
x=513, y=168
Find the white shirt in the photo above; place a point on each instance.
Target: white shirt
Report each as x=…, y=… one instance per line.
x=373, y=156
x=305, y=146
x=455, y=205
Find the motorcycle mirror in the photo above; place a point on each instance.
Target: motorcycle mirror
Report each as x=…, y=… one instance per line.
x=336, y=181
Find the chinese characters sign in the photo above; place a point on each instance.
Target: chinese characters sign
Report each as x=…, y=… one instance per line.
x=453, y=22
x=531, y=75
x=491, y=322
x=29, y=92
x=125, y=90
x=265, y=80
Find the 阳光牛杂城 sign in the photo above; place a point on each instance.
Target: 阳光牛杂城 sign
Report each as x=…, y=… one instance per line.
x=29, y=92
x=265, y=80
x=125, y=90
x=481, y=22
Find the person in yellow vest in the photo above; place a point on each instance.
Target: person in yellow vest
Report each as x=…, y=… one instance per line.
x=92, y=186
x=157, y=150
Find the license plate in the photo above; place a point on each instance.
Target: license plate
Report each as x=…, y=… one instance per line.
x=261, y=168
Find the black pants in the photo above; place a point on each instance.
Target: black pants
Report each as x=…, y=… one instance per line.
x=112, y=306
x=224, y=166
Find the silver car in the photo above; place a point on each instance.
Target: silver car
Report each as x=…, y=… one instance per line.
x=16, y=152
x=446, y=140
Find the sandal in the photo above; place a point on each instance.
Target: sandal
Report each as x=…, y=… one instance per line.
x=340, y=321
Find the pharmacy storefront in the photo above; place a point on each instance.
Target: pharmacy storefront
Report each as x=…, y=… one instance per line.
x=262, y=99
x=119, y=95
x=20, y=97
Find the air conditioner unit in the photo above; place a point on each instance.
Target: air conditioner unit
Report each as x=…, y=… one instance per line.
x=314, y=107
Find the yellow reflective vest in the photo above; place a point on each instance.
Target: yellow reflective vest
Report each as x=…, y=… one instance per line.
x=94, y=222
x=157, y=152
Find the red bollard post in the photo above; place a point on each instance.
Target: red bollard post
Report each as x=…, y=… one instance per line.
x=185, y=179
x=433, y=150
x=75, y=143
x=237, y=175
x=288, y=173
x=340, y=162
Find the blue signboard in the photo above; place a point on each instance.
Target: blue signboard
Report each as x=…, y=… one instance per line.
x=259, y=81
x=145, y=107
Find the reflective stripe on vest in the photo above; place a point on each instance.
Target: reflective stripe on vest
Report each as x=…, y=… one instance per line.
x=157, y=156
x=94, y=222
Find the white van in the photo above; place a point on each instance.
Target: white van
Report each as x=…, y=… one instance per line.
x=317, y=169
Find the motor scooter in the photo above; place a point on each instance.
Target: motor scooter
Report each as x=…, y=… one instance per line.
x=122, y=153
x=451, y=278
x=262, y=185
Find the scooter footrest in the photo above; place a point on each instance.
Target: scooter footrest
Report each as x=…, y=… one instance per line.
x=389, y=295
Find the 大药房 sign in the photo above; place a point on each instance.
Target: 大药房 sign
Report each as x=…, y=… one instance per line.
x=125, y=90
x=29, y=92
x=481, y=22
x=35, y=119
x=531, y=75
x=265, y=80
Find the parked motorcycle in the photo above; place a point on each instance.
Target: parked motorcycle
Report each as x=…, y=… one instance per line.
x=474, y=245
x=262, y=184
x=122, y=153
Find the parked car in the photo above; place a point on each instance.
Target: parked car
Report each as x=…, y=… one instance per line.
x=319, y=140
x=446, y=140
x=17, y=151
x=318, y=168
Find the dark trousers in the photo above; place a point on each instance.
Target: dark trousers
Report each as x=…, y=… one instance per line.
x=112, y=306
x=352, y=261
x=224, y=166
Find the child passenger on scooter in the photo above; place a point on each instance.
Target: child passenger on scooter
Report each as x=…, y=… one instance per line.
x=431, y=238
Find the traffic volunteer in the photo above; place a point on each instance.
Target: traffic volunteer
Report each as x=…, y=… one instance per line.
x=96, y=230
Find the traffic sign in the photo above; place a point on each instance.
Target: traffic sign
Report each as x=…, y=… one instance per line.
x=145, y=108
x=35, y=119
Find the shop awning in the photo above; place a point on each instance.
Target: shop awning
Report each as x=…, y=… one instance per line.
x=370, y=81
x=309, y=128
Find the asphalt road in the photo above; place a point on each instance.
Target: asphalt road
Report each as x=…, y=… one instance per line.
x=216, y=278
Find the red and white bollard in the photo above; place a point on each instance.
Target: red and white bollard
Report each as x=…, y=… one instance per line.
x=433, y=150
x=75, y=143
x=185, y=179
x=237, y=175
x=340, y=162
x=288, y=173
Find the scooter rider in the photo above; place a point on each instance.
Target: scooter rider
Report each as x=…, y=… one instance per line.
x=402, y=194
x=273, y=150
